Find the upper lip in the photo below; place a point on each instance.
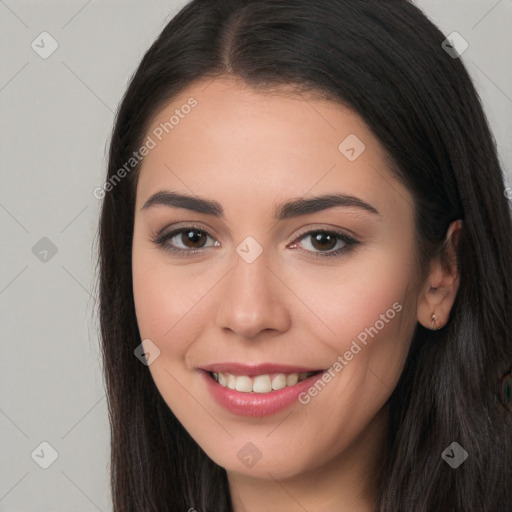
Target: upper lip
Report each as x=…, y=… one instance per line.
x=252, y=370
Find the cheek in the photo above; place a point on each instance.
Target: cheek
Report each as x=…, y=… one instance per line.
x=347, y=301
x=173, y=302
x=160, y=301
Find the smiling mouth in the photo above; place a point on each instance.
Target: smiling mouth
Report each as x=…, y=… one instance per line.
x=265, y=383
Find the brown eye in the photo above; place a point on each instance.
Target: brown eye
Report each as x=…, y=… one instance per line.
x=193, y=238
x=184, y=241
x=324, y=241
x=189, y=240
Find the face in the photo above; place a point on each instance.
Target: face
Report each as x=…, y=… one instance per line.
x=266, y=283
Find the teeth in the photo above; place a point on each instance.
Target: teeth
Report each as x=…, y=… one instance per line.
x=243, y=383
x=231, y=381
x=279, y=381
x=260, y=383
x=292, y=379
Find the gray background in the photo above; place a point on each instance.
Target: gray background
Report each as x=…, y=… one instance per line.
x=56, y=117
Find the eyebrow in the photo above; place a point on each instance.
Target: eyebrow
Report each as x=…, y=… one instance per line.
x=293, y=208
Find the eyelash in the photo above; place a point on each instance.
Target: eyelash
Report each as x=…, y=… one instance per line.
x=350, y=243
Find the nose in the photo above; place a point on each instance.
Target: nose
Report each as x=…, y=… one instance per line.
x=253, y=300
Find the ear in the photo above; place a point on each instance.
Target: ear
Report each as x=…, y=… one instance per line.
x=439, y=290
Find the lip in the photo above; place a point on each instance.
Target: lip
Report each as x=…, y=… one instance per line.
x=252, y=370
x=256, y=404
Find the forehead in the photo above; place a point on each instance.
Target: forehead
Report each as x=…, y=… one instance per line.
x=220, y=138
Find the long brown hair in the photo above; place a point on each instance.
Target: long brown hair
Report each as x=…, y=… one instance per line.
x=385, y=60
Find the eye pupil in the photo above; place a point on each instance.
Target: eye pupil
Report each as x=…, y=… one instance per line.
x=318, y=237
x=193, y=235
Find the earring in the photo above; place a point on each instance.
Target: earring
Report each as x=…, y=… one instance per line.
x=434, y=320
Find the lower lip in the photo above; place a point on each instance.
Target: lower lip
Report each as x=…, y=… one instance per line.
x=257, y=404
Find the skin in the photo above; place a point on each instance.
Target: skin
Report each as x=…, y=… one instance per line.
x=250, y=151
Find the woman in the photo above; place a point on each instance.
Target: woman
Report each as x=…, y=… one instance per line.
x=305, y=274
